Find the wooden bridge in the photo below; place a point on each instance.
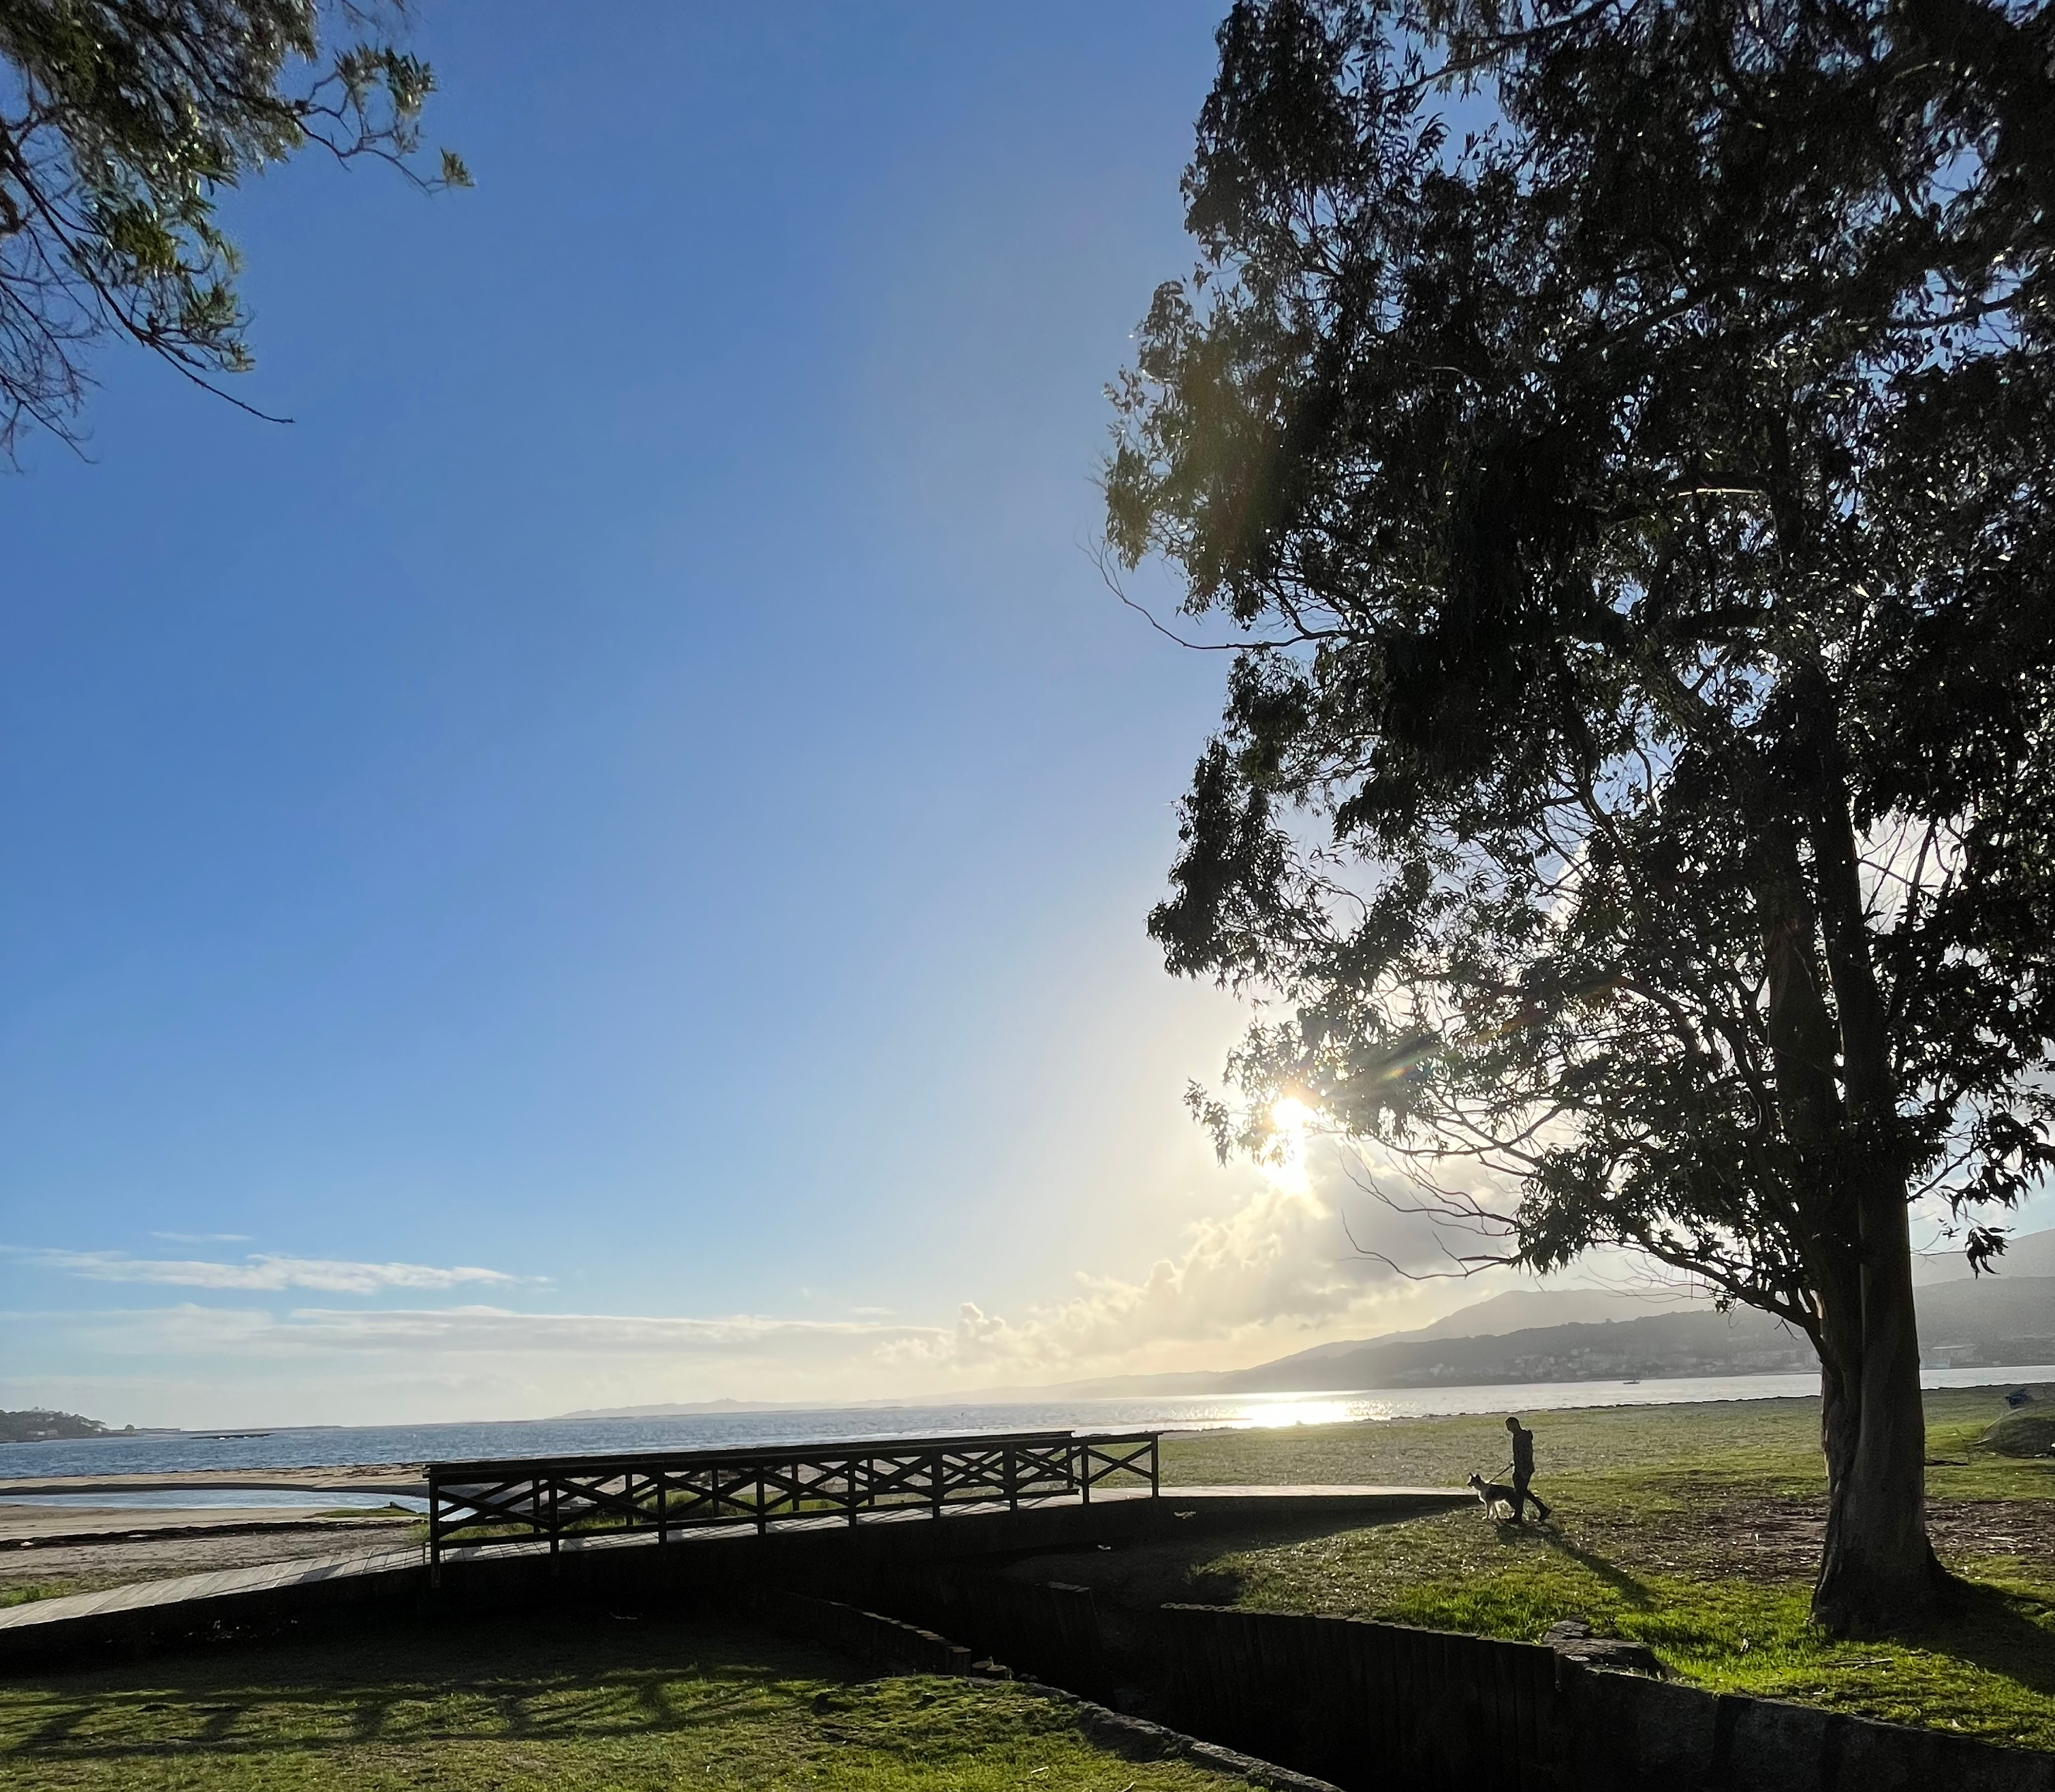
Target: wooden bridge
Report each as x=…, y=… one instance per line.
x=480, y=1505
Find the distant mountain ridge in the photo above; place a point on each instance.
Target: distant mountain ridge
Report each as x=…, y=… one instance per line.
x=1516, y=1310
x=1656, y=1344
x=2031, y=1254
x=2003, y=1320
x=1991, y=1322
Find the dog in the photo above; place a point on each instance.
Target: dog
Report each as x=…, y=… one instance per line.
x=1494, y=1496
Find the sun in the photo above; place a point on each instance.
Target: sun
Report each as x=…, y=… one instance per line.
x=1290, y=1115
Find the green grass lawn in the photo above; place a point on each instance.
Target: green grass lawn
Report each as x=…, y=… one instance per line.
x=1693, y=1528
x=553, y=1705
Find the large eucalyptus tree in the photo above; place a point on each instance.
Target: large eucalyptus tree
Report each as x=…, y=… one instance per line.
x=1623, y=435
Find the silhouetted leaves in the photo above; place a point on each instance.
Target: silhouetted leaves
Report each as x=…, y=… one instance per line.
x=120, y=122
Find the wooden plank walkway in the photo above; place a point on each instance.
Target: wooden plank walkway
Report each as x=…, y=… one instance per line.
x=187, y=1589
x=164, y=1600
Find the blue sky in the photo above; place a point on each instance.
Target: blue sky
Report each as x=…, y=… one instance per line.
x=607, y=862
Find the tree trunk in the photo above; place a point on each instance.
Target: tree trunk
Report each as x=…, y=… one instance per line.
x=1878, y=1574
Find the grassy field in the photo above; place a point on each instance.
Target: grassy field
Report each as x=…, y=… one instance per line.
x=568, y=1706
x=1693, y=1528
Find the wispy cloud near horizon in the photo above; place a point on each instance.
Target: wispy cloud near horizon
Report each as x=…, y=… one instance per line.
x=264, y=1271
x=1273, y=1272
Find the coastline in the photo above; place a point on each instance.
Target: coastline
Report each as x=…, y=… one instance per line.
x=387, y=1460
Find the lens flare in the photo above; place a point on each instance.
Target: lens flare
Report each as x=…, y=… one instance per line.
x=1289, y=1115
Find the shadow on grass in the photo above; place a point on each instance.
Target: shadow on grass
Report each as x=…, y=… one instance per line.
x=1991, y=1627
x=440, y=1687
x=1636, y=1592
x=1139, y=1577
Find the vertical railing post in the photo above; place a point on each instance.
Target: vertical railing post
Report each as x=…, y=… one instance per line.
x=1010, y=1476
x=435, y=1529
x=763, y=1504
x=556, y=1536
x=1156, y=1465
x=849, y=1482
x=936, y=1460
x=1084, y=1474
x=663, y=1509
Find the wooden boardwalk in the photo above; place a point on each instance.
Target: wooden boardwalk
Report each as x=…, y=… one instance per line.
x=188, y=1589
x=185, y=1602
x=500, y=1503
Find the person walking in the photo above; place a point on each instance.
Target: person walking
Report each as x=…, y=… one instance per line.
x=1523, y=1471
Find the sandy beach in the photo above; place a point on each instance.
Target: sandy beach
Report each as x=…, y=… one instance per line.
x=84, y=1547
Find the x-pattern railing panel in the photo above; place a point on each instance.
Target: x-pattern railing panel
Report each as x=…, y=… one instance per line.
x=483, y=1504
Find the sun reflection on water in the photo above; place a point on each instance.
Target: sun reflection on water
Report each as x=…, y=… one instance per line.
x=1288, y=1410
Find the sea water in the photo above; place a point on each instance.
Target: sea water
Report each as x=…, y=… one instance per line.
x=341, y=1446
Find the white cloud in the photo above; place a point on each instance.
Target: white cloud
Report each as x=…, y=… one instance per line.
x=193, y=1329
x=1273, y=1275
x=267, y=1272
x=198, y=1363
x=1265, y=1278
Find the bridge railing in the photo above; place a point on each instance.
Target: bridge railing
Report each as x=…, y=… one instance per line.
x=484, y=1505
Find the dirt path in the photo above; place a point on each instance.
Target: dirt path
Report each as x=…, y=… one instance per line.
x=1761, y=1537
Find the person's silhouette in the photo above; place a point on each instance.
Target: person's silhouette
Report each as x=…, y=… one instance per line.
x=1523, y=1471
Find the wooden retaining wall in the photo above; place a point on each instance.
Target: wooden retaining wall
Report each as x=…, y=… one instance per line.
x=1378, y=1707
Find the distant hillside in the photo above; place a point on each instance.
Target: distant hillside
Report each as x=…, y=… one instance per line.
x=1518, y=1309
x=1963, y=1321
x=2007, y=1319
x=1682, y=1343
x=1522, y=1309
x=1992, y=1321
x=38, y=1424
x=2032, y=1253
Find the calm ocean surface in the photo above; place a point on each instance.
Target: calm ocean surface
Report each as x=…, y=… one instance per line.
x=338, y=1447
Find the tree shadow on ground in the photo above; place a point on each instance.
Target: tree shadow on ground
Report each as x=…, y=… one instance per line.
x=1183, y=1570
x=453, y=1683
x=1995, y=1629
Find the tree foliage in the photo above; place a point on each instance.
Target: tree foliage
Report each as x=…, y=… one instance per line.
x=1636, y=509
x=121, y=121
